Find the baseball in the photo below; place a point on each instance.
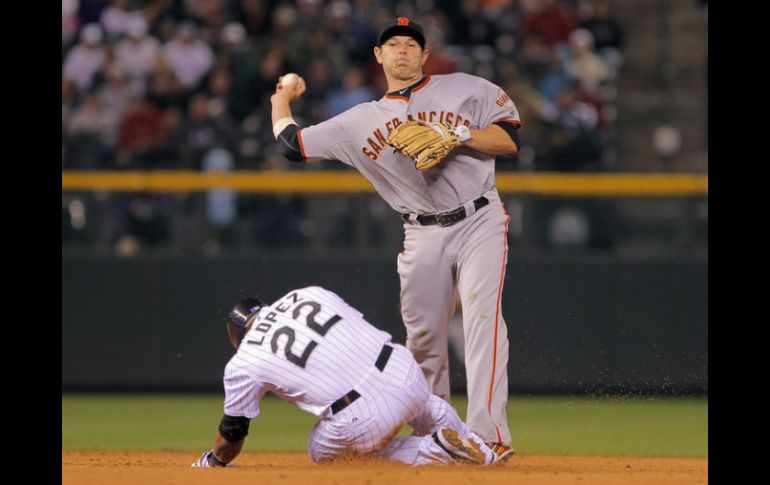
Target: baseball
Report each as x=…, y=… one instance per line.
x=289, y=79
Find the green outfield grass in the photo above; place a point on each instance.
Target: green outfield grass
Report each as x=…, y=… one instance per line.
x=639, y=426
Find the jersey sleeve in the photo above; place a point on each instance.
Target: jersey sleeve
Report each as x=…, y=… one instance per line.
x=242, y=392
x=323, y=140
x=496, y=106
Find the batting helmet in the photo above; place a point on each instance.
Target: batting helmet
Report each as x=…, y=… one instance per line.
x=239, y=316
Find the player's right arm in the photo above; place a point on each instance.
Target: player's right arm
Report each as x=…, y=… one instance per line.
x=242, y=396
x=227, y=448
x=285, y=128
x=227, y=443
x=312, y=143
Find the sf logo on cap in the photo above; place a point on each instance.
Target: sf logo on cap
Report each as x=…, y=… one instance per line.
x=403, y=21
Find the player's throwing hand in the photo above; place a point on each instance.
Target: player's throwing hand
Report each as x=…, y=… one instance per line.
x=289, y=87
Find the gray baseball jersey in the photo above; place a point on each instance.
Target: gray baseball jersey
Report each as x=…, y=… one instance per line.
x=357, y=138
x=468, y=258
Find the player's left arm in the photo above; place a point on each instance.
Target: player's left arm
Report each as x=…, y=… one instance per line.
x=498, y=121
x=496, y=139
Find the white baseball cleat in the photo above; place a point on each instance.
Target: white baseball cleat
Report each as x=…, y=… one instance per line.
x=461, y=450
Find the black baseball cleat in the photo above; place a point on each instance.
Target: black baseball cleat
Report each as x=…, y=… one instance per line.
x=461, y=450
x=502, y=452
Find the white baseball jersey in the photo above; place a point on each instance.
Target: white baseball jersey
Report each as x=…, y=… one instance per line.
x=309, y=348
x=357, y=138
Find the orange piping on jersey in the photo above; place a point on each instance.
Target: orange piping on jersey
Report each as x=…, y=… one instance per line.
x=301, y=146
x=421, y=85
x=401, y=98
x=497, y=320
x=513, y=122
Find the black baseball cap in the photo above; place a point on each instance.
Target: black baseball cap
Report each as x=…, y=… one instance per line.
x=402, y=26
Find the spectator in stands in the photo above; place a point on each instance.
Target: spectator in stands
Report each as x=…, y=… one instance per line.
x=137, y=53
x=584, y=65
x=352, y=92
x=89, y=11
x=221, y=204
x=241, y=48
x=254, y=15
x=142, y=135
x=164, y=90
x=189, y=57
x=319, y=46
x=284, y=33
x=115, y=18
x=530, y=104
x=362, y=26
x=554, y=80
x=607, y=32
x=69, y=98
x=572, y=133
x=338, y=15
x=219, y=92
x=115, y=92
x=162, y=17
x=200, y=132
x=273, y=64
x=553, y=18
x=606, y=29
x=211, y=16
x=534, y=56
x=90, y=135
x=86, y=59
x=439, y=62
x=506, y=17
x=239, y=56
x=69, y=22
x=317, y=94
x=473, y=27
x=309, y=14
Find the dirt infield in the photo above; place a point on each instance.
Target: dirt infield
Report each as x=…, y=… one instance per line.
x=124, y=468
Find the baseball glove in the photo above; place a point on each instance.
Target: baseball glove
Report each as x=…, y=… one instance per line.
x=427, y=144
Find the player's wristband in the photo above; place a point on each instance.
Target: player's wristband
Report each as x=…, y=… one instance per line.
x=462, y=132
x=281, y=124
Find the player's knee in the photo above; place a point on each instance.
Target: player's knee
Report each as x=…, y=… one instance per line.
x=234, y=428
x=442, y=411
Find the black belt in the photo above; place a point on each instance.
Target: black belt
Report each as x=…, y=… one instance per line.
x=448, y=218
x=348, y=398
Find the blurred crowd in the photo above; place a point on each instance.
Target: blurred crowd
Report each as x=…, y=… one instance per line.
x=186, y=83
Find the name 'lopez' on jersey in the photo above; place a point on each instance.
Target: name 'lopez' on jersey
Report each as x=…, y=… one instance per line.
x=376, y=143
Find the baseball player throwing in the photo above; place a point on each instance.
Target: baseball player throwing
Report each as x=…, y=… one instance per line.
x=428, y=147
x=312, y=349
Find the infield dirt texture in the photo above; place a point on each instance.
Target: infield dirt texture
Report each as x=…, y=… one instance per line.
x=140, y=467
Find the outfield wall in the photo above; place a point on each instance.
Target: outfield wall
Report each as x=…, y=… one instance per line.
x=574, y=326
